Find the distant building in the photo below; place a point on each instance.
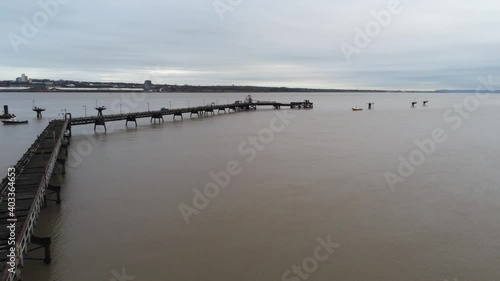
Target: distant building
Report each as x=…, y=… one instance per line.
x=23, y=79
x=148, y=85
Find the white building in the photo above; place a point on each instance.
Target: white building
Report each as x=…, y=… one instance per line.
x=23, y=79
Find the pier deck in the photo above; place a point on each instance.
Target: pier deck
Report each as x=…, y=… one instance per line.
x=187, y=110
x=33, y=172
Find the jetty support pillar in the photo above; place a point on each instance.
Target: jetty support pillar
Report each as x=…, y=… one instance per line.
x=193, y=112
x=43, y=243
x=157, y=116
x=179, y=113
x=100, y=122
x=131, y=118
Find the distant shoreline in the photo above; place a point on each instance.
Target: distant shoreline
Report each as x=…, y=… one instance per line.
x=241, y=91
x=83, y=87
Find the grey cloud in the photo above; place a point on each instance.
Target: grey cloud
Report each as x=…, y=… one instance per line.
x=431, y=44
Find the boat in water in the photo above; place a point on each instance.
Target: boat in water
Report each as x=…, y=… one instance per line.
x=357, y=108
x=14, y=122
x=6, y=114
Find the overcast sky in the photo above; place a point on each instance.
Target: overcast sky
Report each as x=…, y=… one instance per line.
x=430, y=44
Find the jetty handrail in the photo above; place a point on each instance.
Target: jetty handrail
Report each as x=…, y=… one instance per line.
x=170, y=111
x=25, y=159
x=176, y=111
x=24, y=237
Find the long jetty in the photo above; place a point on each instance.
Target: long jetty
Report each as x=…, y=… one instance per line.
x=25, y=191
x=100, y=119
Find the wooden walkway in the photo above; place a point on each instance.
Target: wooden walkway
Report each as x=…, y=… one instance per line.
x=36, y=167
x=33, y=173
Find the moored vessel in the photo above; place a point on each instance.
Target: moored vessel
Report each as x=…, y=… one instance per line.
x=14, y=122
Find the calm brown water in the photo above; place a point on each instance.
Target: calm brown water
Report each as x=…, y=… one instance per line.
x=322, y=176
